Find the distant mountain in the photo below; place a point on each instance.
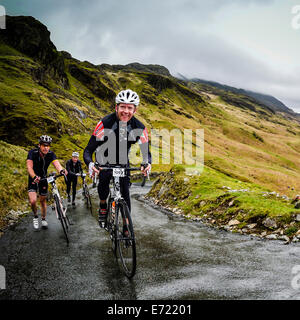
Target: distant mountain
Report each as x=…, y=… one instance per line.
x=265, y=99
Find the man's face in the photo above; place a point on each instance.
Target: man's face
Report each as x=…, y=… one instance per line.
x=125, y=111
x=44, y=148
x=74, y=159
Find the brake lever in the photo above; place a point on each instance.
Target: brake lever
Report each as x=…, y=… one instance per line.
x=144, y=179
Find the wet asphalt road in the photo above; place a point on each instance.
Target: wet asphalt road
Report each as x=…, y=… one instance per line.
x=177, y=259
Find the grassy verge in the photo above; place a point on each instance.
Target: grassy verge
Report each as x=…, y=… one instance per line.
x=13, y=177
x=220, y=199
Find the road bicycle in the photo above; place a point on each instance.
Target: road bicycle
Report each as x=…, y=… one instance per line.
x=86, y=192
x=58, y=205
x=119, y=223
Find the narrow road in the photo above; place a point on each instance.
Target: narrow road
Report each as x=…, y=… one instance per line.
x=177, y=259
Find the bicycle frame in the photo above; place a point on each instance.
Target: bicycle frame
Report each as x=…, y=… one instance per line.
x=60, y=210
x=116, y=191
x=55, y=191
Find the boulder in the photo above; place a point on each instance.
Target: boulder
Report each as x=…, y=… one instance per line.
x=297, y=205
x=284, y=238
x=231, y=203
x=272, y=237
x=233, y=222
x=270, y=223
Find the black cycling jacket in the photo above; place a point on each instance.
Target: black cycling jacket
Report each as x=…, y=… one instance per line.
x=73, y=168
x=114, y=139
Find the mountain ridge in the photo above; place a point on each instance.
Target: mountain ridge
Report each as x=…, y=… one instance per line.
x=265, y=99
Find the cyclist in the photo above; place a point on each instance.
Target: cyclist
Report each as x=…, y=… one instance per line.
x=73, y=166
x=38, y=161
x=114, y=135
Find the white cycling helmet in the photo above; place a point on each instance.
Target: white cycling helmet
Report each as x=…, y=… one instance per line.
x=75, y=154
x=45, y=139
x=128, y=96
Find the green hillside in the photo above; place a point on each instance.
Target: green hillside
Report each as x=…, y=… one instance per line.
x=46, y=91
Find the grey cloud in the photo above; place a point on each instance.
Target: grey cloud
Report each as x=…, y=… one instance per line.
x=168, y=32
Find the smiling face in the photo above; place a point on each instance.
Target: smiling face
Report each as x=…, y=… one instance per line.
x=125, y=111
x=44, y=148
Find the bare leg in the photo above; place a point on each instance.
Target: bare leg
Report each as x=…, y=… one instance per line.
x=43, y=200
x=32, y=200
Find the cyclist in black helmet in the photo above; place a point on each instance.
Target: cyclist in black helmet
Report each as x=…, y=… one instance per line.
x=38, y=161
x=127, y=130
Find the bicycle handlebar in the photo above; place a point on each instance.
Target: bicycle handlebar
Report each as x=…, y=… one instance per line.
x=80, y=174
x=98, y=167
x=126, y=168
x=54, y=176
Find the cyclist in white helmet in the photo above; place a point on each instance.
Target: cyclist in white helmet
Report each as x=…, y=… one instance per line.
x=73, y=166
x=126, y=131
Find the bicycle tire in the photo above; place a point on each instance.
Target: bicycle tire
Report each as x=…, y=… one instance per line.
x=110, y=226
x=87, y=197
x=88, y=200
x=61, y=217
x=125, y=243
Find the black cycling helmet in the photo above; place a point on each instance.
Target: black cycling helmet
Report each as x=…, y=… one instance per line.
x=45, y=139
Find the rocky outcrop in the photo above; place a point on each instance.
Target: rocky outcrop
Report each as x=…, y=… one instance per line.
x=135, y=66
x=92, y=81
x=31, y=37
x=152, y=68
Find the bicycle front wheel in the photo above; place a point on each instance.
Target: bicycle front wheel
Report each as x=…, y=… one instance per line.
x=125, y=239
x=110, y=224
x=61, y=217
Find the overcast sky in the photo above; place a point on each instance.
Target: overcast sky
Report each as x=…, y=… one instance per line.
x=249, y=44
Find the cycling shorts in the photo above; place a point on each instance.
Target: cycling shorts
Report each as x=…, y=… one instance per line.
x=42, y=187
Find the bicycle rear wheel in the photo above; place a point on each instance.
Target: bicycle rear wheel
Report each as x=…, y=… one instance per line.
x=61, y=217
x=88, y=198
x=125, y=240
